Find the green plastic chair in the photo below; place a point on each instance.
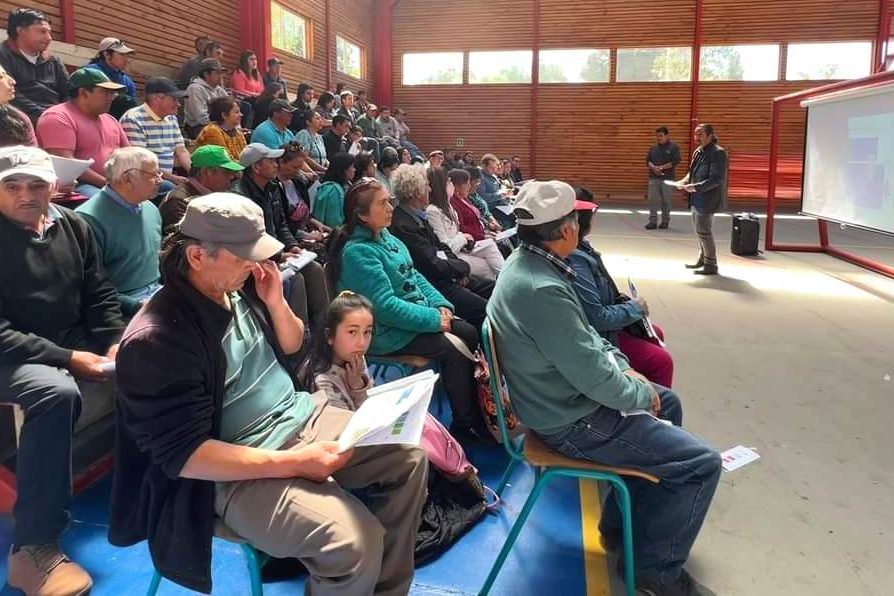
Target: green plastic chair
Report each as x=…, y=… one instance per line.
x=548, y=464
x=255, y=559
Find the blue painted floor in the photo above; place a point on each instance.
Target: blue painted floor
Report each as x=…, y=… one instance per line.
x=547, y=559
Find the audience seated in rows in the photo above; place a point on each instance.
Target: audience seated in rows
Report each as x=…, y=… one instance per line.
x=223, y=429
x=388, y=127
x=492, y=192
x=212, y=170
x=154, y=125
x=312, y=142
x=307, y=291
x=246, y=81
x=304, y=95
x=112, y=59
x=505, y=177
x=335, y=139
x=205, y=48
x=41, y=80
x=15, y=126
x=482, y=253
x=489, y=222
x=262, y=105
x=360, y=101
x=329, y=206
x=355, y=140
x=310, y=232
x=326, y=108
x=412, y=317
x=516, y=173
x=404, y=133
x=224, y=126
x=571, y=387
x=274, y=132
x=368, y=121
x=437, y=175
x=82, y=128
x=388, y=164
x=612, y=313
x=204, y=87
x=61, y=321
x=365, y=166
x=127, y=226
x=449, y=274
x=273, y=76
x=346, y=106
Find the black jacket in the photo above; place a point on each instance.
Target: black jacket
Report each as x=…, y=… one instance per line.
x=334, y=144
x=171, y=371
x=709, y=165
x=424, y=245
x=38, y=86
x=271, y=200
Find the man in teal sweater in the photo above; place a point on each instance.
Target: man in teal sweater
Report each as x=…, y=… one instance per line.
x=127, y=225
x=579, y=394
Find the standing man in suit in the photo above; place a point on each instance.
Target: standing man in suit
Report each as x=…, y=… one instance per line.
x=663, y=157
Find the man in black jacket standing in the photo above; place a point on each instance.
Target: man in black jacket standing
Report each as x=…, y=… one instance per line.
x=212, y=421
x=40, y=81
x=706, y=184
x=59, y=323
x=434, y=259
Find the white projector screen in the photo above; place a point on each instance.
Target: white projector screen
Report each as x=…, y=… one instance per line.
x=849, y=158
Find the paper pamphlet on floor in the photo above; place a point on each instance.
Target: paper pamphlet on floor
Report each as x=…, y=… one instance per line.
x=646, y=321
x=299, y=262
x=506, y=234
x=393, y=413
x=507, y=209
x=738, y=456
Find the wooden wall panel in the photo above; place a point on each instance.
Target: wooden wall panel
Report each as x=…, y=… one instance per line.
x=354, y=20
x=48, y=7
x=313, y=71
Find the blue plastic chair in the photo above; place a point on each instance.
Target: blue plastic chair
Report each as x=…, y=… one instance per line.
x=547, y=465
x=255, y=559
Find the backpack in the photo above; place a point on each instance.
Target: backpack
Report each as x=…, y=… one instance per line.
x=486, y=400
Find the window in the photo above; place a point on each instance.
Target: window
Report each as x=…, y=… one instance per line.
x=574, y=66
x=348, y=57
x=654, y=64
x=444, y=68
x=739, y=63
x=818, y=61
x=500, y=67
x=290, y=31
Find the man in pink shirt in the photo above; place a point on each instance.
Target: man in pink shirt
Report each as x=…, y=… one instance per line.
x=81, y=127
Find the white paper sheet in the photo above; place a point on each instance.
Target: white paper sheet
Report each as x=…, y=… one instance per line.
x=507, y=209
x=634, y=293
x=68, y=169
x=108, y=367
x=506, y=234
x=738, y=456
x=300, y=262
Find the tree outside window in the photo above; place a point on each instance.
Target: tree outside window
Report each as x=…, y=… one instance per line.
x=289, y=31
x=574, y=66
x=348, y=57
x=654, y=64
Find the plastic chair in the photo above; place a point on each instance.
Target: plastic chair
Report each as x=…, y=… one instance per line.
x=547, y=465
x=255, y=558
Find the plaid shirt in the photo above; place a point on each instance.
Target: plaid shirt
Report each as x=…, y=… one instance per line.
x=554, y=259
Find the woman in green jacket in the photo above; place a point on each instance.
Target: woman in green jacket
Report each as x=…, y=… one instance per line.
x=329, y=204
x=411, y=316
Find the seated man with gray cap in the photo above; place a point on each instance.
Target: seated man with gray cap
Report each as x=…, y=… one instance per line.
x=59, y=324
x=580, y=396
x=213, y=422
x=201, y=90
x=274, y=131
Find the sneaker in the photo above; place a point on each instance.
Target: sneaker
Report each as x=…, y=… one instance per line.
x=663, y=225
x=45, y=570
x=651, y=226
x=684, y=585
x=707, y=270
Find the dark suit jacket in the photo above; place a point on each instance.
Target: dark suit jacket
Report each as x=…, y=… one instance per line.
x=424, y=245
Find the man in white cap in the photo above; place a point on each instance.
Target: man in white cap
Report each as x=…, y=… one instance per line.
x=577, y=393
x=213, y=423
x=59, y=322
x=111, y=59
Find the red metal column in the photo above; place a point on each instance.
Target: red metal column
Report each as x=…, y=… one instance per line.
x=881, y=40
x=256, y=30
x=696, y=67
x=383, y=86
x=771, y=180
x=535, y=91
x=330, y=44
x=66, y=9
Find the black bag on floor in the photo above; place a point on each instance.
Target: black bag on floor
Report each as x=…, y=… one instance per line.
x=746, y=234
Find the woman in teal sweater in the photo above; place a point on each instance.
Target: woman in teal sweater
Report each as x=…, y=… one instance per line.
x=411, y=316
x=329, y=206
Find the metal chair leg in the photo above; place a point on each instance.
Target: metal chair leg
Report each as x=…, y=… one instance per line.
x=513, y=463
x=254, y=570
x=513, y=534
x=153, y=585
x=623, y=496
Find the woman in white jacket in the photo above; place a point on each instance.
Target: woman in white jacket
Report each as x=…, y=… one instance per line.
x=483, y=256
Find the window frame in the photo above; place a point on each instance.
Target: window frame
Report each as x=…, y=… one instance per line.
x=308, y=32
x=776, y=66
x=468, y=68
x=362, y=59
x=788, y=47
x=608, y=79
x=462, y=69
x=617, y=63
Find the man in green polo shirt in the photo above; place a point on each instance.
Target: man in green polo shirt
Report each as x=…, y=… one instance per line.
x=580, y=395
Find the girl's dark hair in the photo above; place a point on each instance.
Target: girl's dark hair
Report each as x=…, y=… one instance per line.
x=357, y=202
x=325, y=98
x=584, y=219
x=220, y=107
x=12, y=129
x=474, y=172
x=459, y=176
x=270, y=91
x=390, y=159
x=210, y=48
x=362, y=160
x=251, y=73
x=307, y=116
x=338, y=167
x=440, y=199
x=302, y=89
x=400, y=153
x=291, y=151
x=321, y=356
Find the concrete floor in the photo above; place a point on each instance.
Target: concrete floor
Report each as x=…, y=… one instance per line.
x=792, y=355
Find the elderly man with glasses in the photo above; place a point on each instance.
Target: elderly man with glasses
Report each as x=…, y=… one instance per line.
x=127, y=225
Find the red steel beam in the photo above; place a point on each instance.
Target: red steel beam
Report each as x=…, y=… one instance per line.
x=696, y=67
x=882, y=50
x=383, y=84
x=330, y=44
x=66, y=9
x=535, y=91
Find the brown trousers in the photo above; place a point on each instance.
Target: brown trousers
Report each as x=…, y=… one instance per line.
x=349, y=549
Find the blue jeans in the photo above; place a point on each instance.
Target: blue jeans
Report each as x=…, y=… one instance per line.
x=666, y=516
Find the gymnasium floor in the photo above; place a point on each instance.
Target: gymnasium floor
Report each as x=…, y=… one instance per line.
x=790, y=354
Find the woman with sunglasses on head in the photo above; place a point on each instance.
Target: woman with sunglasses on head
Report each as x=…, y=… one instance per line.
x=617, y=317
x=412, y=317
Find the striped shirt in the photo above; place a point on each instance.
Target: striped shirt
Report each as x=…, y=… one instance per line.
x=261, y=406
x=159, y=135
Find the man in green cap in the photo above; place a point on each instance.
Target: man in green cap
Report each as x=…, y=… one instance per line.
x=212, y=171
x=82, y=128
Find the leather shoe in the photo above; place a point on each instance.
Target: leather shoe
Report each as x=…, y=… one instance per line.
x=707, y=270
x=697, y=265
x=651, y=226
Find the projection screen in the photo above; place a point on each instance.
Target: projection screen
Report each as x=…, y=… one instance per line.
x=849, y=158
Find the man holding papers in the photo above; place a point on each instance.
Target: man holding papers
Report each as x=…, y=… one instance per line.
x=212, y=422
x=706, y=184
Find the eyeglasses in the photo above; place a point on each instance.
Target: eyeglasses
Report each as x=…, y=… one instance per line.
x=156, y=175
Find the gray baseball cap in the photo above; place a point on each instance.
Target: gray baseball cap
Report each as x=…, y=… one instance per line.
x=232, y=222
x=255, y=152
x=26, y=161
